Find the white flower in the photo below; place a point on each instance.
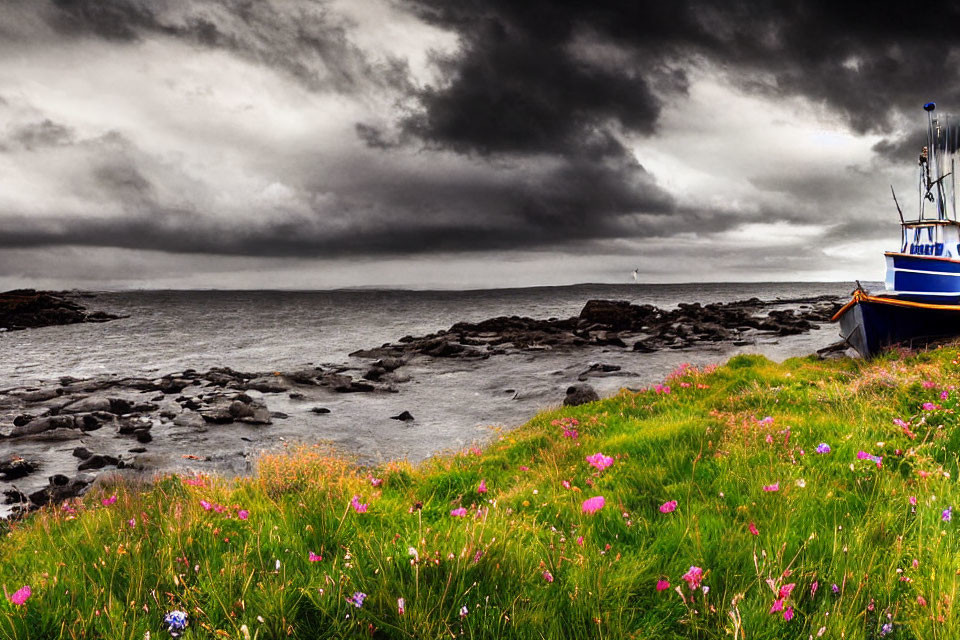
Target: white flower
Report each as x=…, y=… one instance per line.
x=413, y=552
x=801, y=483
x=278, y=565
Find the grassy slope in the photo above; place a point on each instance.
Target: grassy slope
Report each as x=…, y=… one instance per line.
x=93, y=575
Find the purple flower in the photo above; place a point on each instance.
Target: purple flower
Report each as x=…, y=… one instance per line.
x=357, y=599
x=823, y=447
x=835, y=588
x=887, y=628
x=947, y=514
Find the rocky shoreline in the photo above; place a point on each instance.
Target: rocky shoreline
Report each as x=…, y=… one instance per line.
x=57, y=437
x=28, y=309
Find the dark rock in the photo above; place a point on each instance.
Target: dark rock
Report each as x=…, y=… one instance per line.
x=320, y=410
x=239, y=409
x=22, y=419
x=98, y=461
x=16, y=467
x=374, y=373
x=580, y=394
x=138, y=450
x=268, y=385
x=216, y=415
x=279, y=415
x=616, y=314
x=170, y=386
x=403, y=415
x=39, y=425
x=82, y=452
x=297, y=396
x=144, y=437
x=86, y=405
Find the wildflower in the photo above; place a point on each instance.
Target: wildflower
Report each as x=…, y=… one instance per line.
x=594, y=504
x=458, y=513
x=766, y=420
x=176, y=622
x=928, y=384
x=897, y=422
x=243, y=514
x=786, y=590
x=313, y=557
x=921, y=601
x=376, y=481
x=206, y=505
x=887, y=628
x=401, y=606
x=668, y=507
x=835, y=588
x=565, y=484
x=772, y=487
x=357, y=505
x=753, y=529
x=547, y=576
x=788, y=614
x=580, y=540
x=693, y=577
x=662, y=585
x=947, y=514
x=929, y=406
x=913, y=500
x=464, y=611
x=483, y=487
x=413, y=552
x=801, y=483
x=132, y=522
x=570, y=433
x=813, y=588
x=600, y=461
x=357, y=599
x=944, y=395
x=109, y=501
x=477, y=556
x=20, y=596
x=777, y=605
x=661, y=388
x=823, y=447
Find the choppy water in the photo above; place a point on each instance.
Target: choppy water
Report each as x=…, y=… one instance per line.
x=454, y=402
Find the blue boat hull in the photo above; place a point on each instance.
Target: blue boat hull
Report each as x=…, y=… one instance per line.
x=923, y=279
x=872, y=325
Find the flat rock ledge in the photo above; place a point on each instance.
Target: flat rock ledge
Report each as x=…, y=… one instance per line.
x=26, y=308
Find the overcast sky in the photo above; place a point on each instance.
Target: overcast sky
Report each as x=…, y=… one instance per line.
x=468, y=143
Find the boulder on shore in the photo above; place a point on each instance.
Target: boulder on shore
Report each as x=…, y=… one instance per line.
x=580, y=394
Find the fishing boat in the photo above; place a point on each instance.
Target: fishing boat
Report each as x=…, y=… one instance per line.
x=921, y=300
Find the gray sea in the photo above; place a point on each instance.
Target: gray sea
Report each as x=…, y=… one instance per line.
x=455, y=403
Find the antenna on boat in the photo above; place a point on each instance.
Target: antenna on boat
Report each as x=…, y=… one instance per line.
x=899, y=210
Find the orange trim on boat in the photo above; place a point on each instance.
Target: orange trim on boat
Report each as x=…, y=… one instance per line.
x=861, y=296
x=907, y=255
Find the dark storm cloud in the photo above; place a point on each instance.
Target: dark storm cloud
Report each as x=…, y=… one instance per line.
x=519, y=82
x=303, y=39
x=45, y=133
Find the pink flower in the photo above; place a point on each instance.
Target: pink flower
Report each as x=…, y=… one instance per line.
x=600, y=461
x=547, y=576
x=813, y=588
x=483, y=487
x=458, y=513
x=921, y=601
x=594, y=504
x=786, y=590
x=766, y=420
x=313, y=557
x=777, y=606
x=913, y=500
x=580, y=540
x=661, y=388
x=20, y=596
x=524, y=468
x=772, y=487
x=668, y=507
x=357, y=505
x=927, y=384
x=929, y=406
x=107, y=502
x=243, y=514
x=693, y=577
x=206, y=505
x=788, y=614
x=565, y=484
x=944, y=395
x=376, y=481
x=401, y=606
x=662, y=585
x=132, y=522
x=753, y=529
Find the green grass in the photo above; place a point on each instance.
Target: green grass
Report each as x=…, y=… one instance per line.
x=114, y=571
